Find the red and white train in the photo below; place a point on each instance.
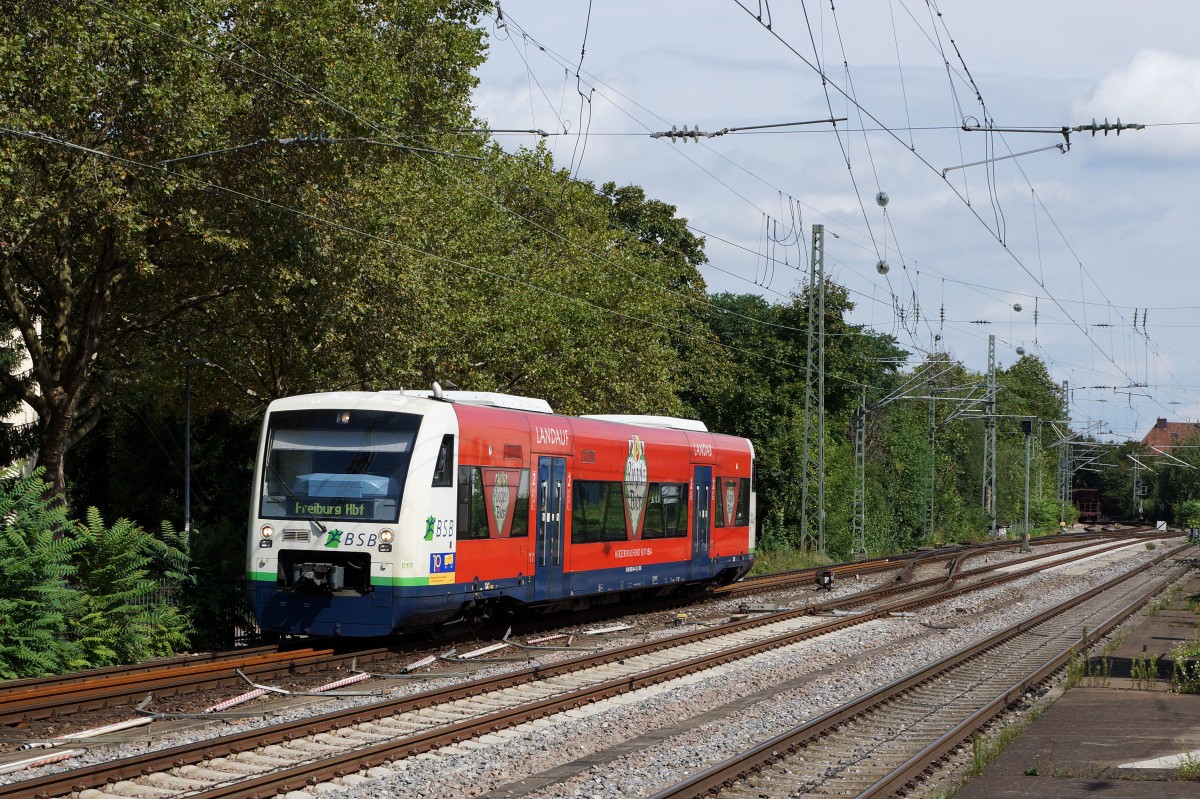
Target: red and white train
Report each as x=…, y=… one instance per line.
x=380, y=511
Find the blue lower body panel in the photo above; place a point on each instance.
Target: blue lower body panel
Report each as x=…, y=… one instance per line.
x=388, y=609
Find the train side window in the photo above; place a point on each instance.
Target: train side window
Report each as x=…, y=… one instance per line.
x=598, y=512
x=492, y=503
x=585, y=511
x=472, y=514
x=520, y=522
x=666, y=511
x=718, y=516
x=742, y=517
x=443, y=469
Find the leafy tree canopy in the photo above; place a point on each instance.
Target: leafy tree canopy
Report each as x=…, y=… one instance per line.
x=126, y=255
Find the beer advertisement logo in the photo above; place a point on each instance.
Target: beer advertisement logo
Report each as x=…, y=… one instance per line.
x=731, y=498
x=501, y=498
x=500, y=495
x=637, y=485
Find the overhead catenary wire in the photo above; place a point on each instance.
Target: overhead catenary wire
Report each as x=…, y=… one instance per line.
x=998, y=233
x=711, y=266
x=345, y=228
x=321, y=97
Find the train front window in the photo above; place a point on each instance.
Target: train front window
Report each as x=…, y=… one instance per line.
x=337, y=465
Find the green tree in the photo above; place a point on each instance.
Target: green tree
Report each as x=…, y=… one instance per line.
x=125, y=264
x=1189, y=513
x=1025, y=390
x=760, y=394
x=1116, y=483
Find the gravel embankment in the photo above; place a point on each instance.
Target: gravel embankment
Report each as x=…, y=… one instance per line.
x=632, y=745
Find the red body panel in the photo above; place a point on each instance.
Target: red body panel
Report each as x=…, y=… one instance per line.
x=482, y=442
x=594, y=450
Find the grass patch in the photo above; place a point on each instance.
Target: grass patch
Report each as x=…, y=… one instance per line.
x=985, y=751
x=1081, y=671
x=1164, y=601
x=1143, y=672
x=1185, y=678
x=786, y=560
x=1188, y=768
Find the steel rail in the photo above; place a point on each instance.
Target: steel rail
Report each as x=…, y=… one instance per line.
x=907, y=563
x=99, y=774
x=722, y=775
x=940, y=586
x=117, y=689
x=13, y=686
x=78, y=692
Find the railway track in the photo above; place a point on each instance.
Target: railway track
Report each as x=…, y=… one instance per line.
x=37, y=699
x=295, y=754
x=33, y=699
x=29, y=700
x=907, y=563
x=883, y=743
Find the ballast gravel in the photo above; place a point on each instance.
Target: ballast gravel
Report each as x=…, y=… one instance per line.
x=673, y=737
x=637, y=744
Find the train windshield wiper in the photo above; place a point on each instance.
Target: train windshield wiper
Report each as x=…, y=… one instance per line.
x=311, y=516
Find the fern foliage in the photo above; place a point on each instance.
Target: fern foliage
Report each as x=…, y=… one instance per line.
x=129, y=580
x=38, y=602
x=76, y=596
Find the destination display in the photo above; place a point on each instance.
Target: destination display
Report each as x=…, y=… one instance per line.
x=333, y=508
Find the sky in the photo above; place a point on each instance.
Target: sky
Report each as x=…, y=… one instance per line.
x=1095, y=245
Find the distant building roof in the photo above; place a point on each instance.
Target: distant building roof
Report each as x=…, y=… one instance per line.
x=1165, y=434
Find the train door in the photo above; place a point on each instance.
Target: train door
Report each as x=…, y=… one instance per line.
x=551, y=501
x=701, y=513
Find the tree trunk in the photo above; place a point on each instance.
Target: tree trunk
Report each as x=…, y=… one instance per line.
x=52, y=446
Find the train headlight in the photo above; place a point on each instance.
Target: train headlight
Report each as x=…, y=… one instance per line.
x=386, y=536
x=266, y=531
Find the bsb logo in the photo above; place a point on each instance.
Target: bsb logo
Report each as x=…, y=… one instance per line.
x=636, y=486
x=338, y=537
x=439, y=528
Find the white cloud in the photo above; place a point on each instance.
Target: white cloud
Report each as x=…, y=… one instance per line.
x=1155, y=87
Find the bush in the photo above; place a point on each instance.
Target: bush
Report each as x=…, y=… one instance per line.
x=77, y=596
x=1189, y=513
x=37, y=603
x=130, y=581
x=1044, y=513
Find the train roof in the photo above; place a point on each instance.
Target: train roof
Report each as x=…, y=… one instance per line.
x=641, y=420
x=487, y=399
x=481, y=399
